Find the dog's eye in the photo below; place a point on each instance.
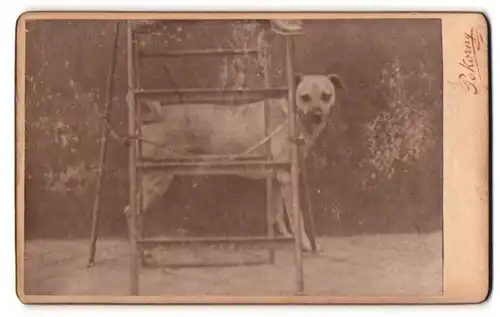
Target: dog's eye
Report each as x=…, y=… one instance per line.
x=325, y=97
x=305, y=98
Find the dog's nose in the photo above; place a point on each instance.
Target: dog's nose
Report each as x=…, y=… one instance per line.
x=317, y=111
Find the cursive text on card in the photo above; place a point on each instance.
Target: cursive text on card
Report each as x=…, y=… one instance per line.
x=470, y=76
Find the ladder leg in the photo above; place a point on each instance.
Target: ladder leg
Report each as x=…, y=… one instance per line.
x=102, y=152
x=140, y=202
x=299, y=273
x=270, y=195
x=309, y=224
x=133, y=204
x=270, y=212
x=263, y=59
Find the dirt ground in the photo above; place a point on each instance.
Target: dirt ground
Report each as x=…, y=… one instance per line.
x=361, y=265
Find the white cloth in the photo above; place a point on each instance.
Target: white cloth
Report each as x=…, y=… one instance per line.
x=286, y=26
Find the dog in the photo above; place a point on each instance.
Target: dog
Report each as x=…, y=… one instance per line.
x=179, y=130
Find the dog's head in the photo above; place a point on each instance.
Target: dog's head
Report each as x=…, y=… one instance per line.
x=316, y=95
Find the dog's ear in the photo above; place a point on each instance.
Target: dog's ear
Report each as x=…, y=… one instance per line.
x=298, y=78
x=337, y=82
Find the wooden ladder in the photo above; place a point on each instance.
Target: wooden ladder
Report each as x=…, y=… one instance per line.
x=138, y=164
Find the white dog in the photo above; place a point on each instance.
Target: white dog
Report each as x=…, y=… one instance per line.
x=187, y=129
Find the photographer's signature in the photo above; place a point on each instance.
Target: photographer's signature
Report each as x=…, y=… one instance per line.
x=470, y=77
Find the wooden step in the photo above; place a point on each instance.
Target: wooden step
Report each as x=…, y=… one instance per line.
x=241, y=241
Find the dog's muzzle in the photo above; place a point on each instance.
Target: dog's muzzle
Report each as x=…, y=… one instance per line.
x=317, y=112
x=316, y=115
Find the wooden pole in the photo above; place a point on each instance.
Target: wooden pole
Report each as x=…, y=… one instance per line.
x=270, y=195
x=309, y=224
x=103, y=149
x=133, y=203
x=140, y=172
x=294, y=166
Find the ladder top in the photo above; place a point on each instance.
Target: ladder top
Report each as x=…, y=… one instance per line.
x=279, y=26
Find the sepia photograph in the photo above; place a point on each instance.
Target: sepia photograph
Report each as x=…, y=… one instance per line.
x=235, y=157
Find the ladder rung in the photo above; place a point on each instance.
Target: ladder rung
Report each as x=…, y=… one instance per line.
x=184, y=171
x=219, y=168
x=211, y=157
x=204, y=164
x=207, y=52
x=142, y=27
x=216, y=240
x=229, y=97
x=220, y=100
x=203, y=264
x=209, y=91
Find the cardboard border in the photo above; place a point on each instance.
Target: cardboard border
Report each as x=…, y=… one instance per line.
x=466, y=138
